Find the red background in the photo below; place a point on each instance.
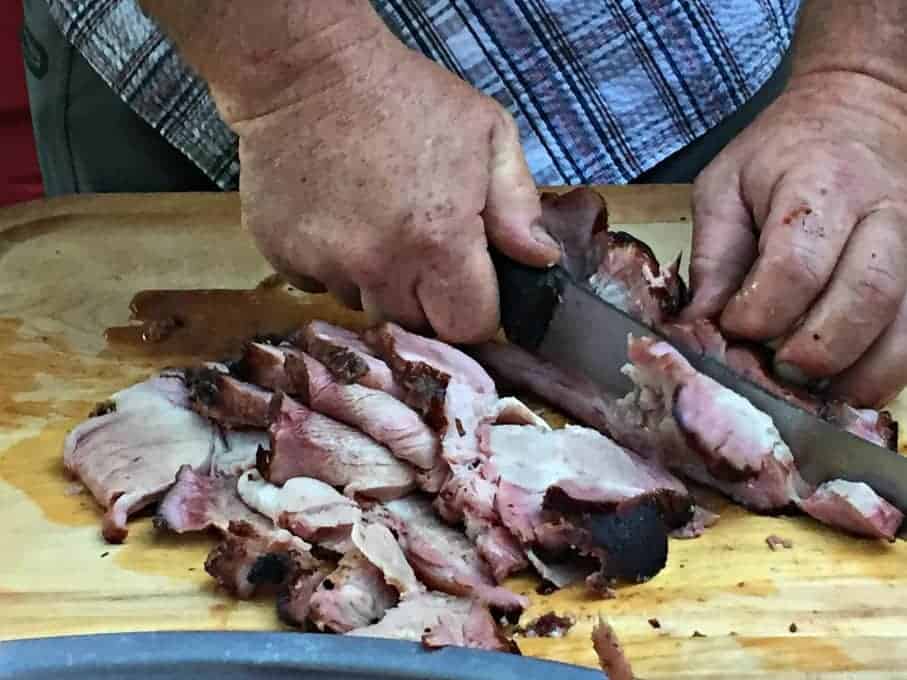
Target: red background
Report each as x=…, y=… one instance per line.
x=20, y=175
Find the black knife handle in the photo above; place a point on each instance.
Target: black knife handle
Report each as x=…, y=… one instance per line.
x=528, y=296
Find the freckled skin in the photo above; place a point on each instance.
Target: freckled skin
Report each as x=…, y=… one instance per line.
x=813, y=258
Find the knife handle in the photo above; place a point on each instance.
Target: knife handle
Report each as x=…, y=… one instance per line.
x=528, y=298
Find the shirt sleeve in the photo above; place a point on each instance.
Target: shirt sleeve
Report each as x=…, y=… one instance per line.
x=136, y=60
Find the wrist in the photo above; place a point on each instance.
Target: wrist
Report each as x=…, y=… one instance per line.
x=259, y=57
x=867, y=37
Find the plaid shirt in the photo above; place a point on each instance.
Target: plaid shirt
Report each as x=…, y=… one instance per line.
x=602, y=90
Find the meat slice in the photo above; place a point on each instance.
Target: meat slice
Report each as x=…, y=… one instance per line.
x=306, y=507
x=630, y=277
x=442, y=557
x=366, y=583
x=227, y=401
x=254, y=555
x=129, y=453
x=874, y=426
x=713, y=435
x=294, y=604
x=425, y=365
x=262, y=364
x=438, y=620
x=458, y=398
x=239, y=452
x=854, y=507
x=197, y=502
x=610, y=654
x=249, y=562
x=308, y=444
x=346, y=356
x=583, y=465
x=578, y=491
x=383, y=417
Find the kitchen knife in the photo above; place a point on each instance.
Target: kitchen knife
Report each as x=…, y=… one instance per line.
x=548, y=313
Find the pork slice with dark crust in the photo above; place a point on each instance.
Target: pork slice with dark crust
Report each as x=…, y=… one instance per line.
x=442, y=557
x=249, y=562
x=713, y=435
x=345, y=354
x=128, y=455
x=378, y=414
x=306, y=507
x=262, y=364
x=229, y=402
x=294, y=604
x=308, y=444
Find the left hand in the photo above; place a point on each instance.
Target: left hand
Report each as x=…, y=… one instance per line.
x=801, y=235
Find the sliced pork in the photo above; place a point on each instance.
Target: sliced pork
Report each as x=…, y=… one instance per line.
x=574, y=489
x=442, y=557
x=378, y=414
x=713, y=435
x=238, y=453
x=197, y=502
x=307, y=507
x=249, y=562
x=346, y=356
x=854, y=507
x=129, y=453
x=354, y=595
x=308, y=444
x=227, y=401
x=458, y=398
x=439, y=620
x=366, y=583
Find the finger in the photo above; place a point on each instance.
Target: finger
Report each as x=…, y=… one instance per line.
x=512, y=207
x=395, y=302
x=860, y=302
x=801, y=242
x=724, y=244
x=458, y=291
x=880, y=374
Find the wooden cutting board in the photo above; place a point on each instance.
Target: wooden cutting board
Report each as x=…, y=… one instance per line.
x=727, y=605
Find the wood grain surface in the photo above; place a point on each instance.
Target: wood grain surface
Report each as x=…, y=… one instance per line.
x=727, y=605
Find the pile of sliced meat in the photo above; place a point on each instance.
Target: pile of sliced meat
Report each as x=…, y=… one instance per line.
x=377, y=484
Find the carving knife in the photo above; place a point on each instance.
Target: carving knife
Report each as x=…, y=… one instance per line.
x=548, y=313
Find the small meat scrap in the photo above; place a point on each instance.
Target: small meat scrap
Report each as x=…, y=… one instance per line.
x=610, y=654
x=793, y=628
x=775, y=542
x=655, y=623
x=548, y=625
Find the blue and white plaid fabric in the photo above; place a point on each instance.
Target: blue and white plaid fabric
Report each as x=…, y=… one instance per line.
x=602, y=90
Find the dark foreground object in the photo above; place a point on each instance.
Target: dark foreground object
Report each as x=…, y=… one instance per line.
x=262, y=656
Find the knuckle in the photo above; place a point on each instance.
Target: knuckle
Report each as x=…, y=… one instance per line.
x=877, y=288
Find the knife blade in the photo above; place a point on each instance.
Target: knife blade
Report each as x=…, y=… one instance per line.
x=548, y=313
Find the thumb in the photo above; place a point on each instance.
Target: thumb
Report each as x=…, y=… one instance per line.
x=512, y=207
x=724, y=243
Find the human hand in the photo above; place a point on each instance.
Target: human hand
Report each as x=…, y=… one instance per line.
x=384, y=185
x=801, y=235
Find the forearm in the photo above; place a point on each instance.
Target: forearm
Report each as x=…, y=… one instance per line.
x=258, y=56
x=862, y=36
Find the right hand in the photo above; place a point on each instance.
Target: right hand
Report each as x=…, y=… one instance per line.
x=384, y=185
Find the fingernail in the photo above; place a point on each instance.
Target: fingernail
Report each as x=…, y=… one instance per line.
x=791, y=373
